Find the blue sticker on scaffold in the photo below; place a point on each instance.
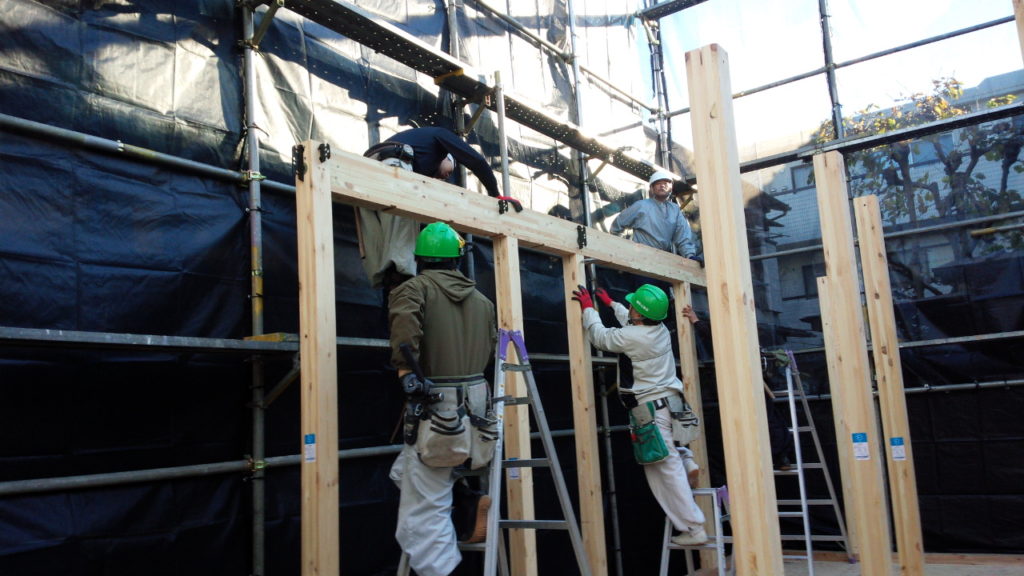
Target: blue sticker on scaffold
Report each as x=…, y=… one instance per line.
x=309, y=447
x=860, y=446
x=899, y=449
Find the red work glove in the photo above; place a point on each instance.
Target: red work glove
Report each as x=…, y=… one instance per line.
x=603, y=297
x=583, y=297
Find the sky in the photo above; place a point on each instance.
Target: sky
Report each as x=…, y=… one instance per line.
x=769, y=41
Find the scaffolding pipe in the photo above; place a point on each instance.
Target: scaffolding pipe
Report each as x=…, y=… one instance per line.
x=902, y=233
x=254, y=211
x=830, y=73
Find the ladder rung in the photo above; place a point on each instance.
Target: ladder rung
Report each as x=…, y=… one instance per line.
x=526, y=463
x=816, y=538
x=538, y=524
x=795, y=557
x=515, y=367
x=790, y=514
x=810, y=502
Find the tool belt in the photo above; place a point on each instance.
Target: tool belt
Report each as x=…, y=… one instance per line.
x=648, y=445
x=460, y=429
x=388, y=150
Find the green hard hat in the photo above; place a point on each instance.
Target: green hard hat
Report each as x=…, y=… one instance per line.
x=439, y=240
x=650, y=301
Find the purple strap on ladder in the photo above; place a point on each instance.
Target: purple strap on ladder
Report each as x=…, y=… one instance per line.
x=504, y=336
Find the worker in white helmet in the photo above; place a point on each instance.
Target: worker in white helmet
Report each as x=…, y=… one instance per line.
x=656, y=221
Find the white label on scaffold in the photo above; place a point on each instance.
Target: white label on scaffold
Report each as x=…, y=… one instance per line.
x=309, y=447
x=860, y=446
x=513, y=472
x=899, y=449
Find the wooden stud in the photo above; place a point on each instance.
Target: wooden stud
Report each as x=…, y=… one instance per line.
x=889, y=376
x=755, y=518
x=588, y=461
x=848, y=370
x=519, y=481
x=691, y=389
x=319, y=368
x=1018, y=13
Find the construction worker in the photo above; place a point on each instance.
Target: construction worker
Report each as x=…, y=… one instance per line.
x=656, y=221
x=450, y=331
x=654, y=399
x=385, y=240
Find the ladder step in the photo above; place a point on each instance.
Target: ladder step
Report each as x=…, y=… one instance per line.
x=814, y=537
x=795, y=557
x=810, y=502
x=789, y=514
x=526, y=463
x=537, y=524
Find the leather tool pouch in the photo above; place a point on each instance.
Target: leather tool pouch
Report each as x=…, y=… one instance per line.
x=444, y=438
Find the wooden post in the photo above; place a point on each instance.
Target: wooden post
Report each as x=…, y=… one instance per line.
x=519, y=481
x=318, y=338
x=849, y=374
x=755, y=517
x=584, y=415
x=889, y=376
x=1018, y=13
x=691, y=389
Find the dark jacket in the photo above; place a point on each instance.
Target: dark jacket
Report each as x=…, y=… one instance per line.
x=430, y=145
x=450, y=325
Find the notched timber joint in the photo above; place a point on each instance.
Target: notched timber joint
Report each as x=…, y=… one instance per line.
x=298, y=165
x=581, y=236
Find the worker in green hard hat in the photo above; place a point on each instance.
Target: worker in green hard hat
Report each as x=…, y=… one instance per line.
x=449, y=330
x=658, y=413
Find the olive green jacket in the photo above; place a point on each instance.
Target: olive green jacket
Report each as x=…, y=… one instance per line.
x=450, y=325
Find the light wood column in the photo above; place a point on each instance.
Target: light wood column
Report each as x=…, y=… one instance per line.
x=1018, y=13
x=518, y=481
x=318, y=338
x=755, y=517
x=584, y=415
x=889, y=377
x=691, y=388
x=849, y=373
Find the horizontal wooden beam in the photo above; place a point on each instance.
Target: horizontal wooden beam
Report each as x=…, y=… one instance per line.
x=369, y=184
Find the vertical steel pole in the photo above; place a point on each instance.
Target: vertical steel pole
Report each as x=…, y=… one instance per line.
x=256, y=296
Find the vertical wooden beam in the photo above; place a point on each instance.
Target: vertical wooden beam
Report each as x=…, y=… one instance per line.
x=889, y=376
x=581, y=372
x=691, y=388
x=519, y=481
x=318, y=338
x=849, y=372
x=755, y=517
x=1018, y=13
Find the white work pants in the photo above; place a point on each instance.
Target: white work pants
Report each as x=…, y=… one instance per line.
x=425, y=530
x=386, y=239
x=668, y=482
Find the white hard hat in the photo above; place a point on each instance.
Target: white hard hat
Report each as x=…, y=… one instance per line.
x=660, y=175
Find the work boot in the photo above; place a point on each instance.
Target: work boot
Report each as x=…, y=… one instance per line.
x=469, y=514
x=695, y=537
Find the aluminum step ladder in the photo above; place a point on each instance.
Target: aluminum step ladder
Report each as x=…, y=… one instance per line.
x=795, y=390
x=716, y=540
x=494, y=545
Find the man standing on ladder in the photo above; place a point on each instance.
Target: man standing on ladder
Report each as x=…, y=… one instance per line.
x=443, y=335
x=386, y=240
x=655, y=401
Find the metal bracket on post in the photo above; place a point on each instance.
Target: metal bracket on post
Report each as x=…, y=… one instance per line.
x=298, y=165
x=325, y=151
x=581, y=236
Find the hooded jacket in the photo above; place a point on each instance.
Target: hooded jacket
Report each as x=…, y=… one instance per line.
x=450, y=325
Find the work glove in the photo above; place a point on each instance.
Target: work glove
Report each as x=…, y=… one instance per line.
x=583, y=297
x=603, y=297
